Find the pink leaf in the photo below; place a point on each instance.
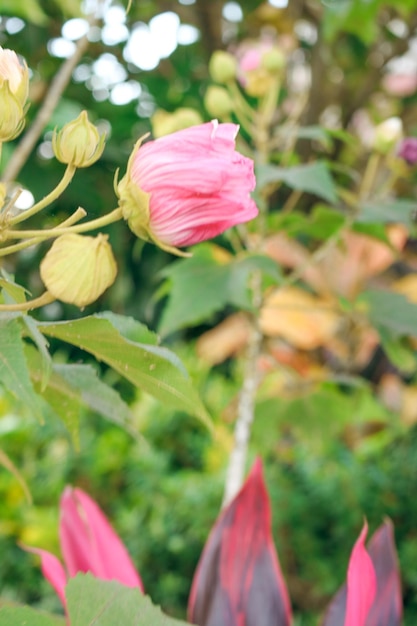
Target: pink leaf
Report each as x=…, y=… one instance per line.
x=352, y=603
x=361, y=583
x=387, y=609
x=238, y=581
x=53, y=571
x=89, y=543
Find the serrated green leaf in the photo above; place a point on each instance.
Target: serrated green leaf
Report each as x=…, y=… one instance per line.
x=313, y=178
x=390, y=310
x=201, y=286
x=25, y=616
x=130, y=328
x=153, y=369
x=14, y=373
x=94, y=602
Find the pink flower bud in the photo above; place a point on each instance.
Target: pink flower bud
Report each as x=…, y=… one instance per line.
x=15, y=74
x=14, y=84
x=187, y=187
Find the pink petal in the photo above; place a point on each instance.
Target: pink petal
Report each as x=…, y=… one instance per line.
x=361, y=583
x=53, y=571
x=198, y=185
x=89, y=543
x=238, y=581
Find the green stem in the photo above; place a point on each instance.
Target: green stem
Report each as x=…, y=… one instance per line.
x=114, y=216
x=369, y=175
x=45, y=298
x=48, y=199
x=75, y=217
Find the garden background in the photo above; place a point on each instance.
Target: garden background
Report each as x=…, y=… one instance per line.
x=336, y=409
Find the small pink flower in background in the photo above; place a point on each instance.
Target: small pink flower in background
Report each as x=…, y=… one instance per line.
x=187, y=187
x=407, y=150
x=400, y=85
x=88, y=544
x=238, y=581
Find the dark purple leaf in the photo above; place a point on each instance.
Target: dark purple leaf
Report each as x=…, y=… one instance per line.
x=387, y=609
x=238, y=581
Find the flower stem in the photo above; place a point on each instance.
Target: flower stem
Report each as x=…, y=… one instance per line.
x=75, y=217
x=45, y=298
x=50, y=197
x=114, y=216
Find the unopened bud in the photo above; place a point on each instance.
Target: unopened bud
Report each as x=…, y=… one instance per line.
x=218, y=102
x=222, y=67
x=12, y=116
x=78, y=269
x=388, y=134
x=15, y=74
x=164, y=123
x=78, y=143
x=273, y=60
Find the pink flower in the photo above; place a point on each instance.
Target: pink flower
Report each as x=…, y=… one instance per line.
x=238, y=581
x=187, y=187
x=88, y=544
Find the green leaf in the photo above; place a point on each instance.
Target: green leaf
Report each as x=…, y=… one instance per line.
x=16, y=292
x=321, y=224
x=14, y=373
x=398, y=351
x=42, y=345
x=390, y=310
x=201, y=286
x=397, y=211
x=130, y=328
x=96, y=394
x=316, y=133
x=358, y=17
x=25, y=616
x=94, y=602
x=313, y=178
x=64, y=399
x=153, y=369
x=29, y=10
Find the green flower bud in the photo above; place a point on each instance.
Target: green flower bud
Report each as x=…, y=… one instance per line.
x=218, y=102
x=273, y=60
x=78, y=143
x=222, y=67
x=78, y=269
x=12, y=114
x=164, y=123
